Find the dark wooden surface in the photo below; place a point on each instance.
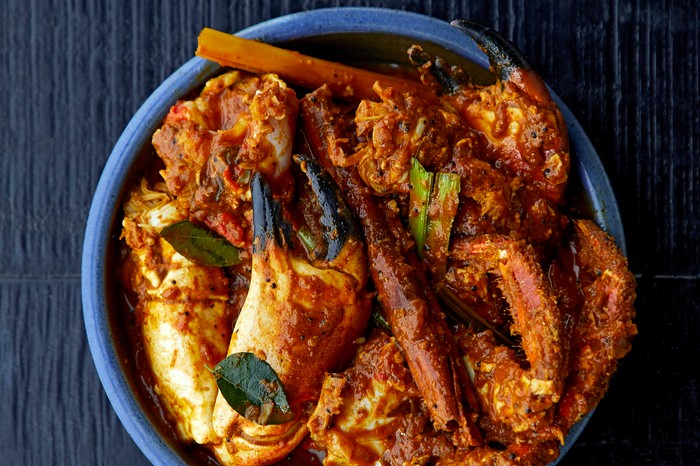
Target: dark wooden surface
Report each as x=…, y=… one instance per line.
x=72, y=73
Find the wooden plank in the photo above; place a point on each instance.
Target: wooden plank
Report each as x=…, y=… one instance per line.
x=54, y=410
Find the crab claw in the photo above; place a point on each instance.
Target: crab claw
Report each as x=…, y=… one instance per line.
x=268, y=225
x=504, y=57
x=336, y=219
x=506, y=60
x=296, y=311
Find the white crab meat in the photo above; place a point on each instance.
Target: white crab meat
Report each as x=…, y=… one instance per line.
x=183, y=307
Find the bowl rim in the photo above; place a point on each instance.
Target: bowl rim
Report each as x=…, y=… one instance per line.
x=138, y=132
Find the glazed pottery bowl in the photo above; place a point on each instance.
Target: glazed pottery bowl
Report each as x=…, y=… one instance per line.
x=351, y=35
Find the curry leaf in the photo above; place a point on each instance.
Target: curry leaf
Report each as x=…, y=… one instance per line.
x=199, y=245
x=253, y=389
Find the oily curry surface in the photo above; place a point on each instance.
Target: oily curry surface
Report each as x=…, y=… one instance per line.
x=348, y=273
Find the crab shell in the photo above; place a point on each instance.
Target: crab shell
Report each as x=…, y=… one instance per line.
x=302, y=319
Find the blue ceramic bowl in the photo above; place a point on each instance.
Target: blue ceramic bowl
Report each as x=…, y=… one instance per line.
x=348, y=34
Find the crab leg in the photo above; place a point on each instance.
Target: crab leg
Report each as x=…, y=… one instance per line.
x=536, y=316
x=411, y=308
x=604, y=329
x=295, y=311
x=516, y=401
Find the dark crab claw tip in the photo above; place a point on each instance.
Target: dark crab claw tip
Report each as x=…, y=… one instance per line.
x=336, y=219
x=417, y=56
x=451, y=78
x=504, y=57
x=267, y=218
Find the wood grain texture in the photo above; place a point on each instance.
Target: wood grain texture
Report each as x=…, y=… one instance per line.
x=57, y=412
x=72, y=73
